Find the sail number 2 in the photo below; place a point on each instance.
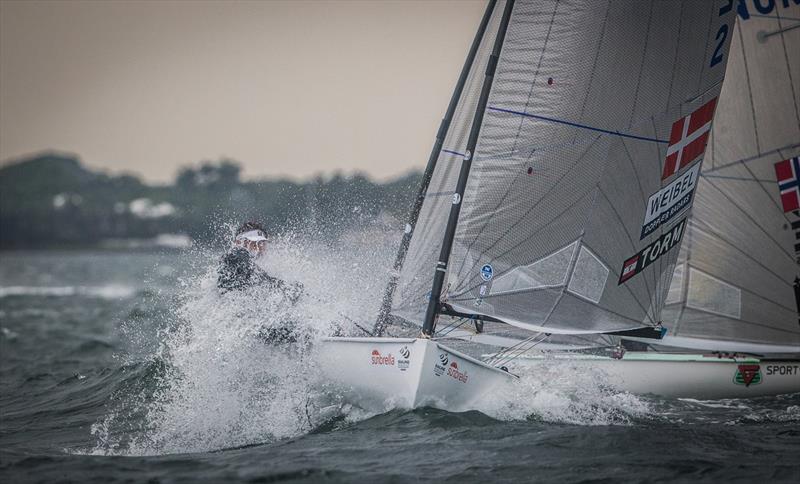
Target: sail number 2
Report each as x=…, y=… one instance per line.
x=722, y=35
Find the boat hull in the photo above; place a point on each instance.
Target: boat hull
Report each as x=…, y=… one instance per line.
x=385, y=373
x=683, y=376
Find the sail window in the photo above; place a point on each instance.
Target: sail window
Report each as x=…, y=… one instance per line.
x=589, y=277
x=549, y=271
x=710, y=294
x=675, y=293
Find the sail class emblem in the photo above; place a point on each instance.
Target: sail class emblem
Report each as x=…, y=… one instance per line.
x=747, y=375
x=787, y=173
x=688, y=138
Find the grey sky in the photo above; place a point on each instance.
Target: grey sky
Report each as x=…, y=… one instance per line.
x=286, y=88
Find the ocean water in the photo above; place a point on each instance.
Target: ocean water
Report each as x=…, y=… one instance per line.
x=129, y=366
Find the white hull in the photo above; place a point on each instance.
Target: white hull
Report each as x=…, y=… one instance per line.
x=682, y=376
x=382, y=373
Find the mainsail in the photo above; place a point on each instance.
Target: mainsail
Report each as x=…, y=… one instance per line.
x=735, y=286
x=597, y=120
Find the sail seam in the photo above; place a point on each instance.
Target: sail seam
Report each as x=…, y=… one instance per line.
x=746, y=255
x=749, y=217
x=749, y=87
x=752, y=158
x=743, y=321
x=594, y=64
x=519, y=129
x=535, y=76
x=630, y=239
x=788, y=70
x=644, y=198
x=675, y=57
x=641, y=66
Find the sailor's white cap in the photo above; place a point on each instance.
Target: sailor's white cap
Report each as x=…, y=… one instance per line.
x=252, y=235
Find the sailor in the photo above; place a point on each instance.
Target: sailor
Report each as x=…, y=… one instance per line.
x=238, y=269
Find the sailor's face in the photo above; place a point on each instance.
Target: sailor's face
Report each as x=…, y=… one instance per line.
x=255, y=248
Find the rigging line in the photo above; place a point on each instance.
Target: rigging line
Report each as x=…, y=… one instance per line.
x=451, y=152
x=453, y=326
x=749, y=86
x=501, y=355
x=766, y=35
x=577, y=125
x=511, y=355
x=748, y=256
x=532, y=208
x=750, y=218
x=752, y=158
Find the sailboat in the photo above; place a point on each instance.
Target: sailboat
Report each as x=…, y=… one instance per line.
x=556, y=210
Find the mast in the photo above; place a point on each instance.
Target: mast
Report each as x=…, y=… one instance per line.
x=444, y=127
x=447, y=244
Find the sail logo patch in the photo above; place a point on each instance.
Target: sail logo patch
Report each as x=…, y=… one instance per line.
x=688, y=138
x=438, y=369
x=405, y=358
x=454, y=373
x=787, y=173
x=670, y=201
x=638, y=262
x=378, y=359
x=487, y=272
x=747, y=375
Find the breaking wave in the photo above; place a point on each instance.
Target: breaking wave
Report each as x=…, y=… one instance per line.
x=559, y=392
x=220, y=384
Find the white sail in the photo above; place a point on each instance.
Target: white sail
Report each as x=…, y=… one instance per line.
x=413, y=289
x=734, y=285
x=596, y=109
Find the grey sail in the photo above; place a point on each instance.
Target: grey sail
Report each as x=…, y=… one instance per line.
x=734, y=286
x=414, y=285
x=596, y=108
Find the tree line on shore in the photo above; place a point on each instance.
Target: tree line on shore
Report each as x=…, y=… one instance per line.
x=51, y=200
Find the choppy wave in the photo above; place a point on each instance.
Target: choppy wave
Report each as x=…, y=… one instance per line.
x=100, y=292
x=214, y=383
x=563, y=393
x=223, y=386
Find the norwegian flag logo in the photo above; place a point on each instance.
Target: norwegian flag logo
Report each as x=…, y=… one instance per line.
x=788, y=174
x=688, y=138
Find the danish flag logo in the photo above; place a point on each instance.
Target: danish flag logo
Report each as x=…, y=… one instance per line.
x=688, y=138
x=788, y=174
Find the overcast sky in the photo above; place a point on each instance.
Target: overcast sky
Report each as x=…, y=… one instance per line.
x=284, y=87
